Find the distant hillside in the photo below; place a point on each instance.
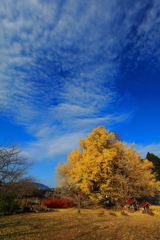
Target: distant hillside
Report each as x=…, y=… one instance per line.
x=42, y=186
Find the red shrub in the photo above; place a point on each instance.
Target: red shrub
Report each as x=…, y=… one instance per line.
x=59, y=203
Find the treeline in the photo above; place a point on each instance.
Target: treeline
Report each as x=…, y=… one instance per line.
x=103, y=168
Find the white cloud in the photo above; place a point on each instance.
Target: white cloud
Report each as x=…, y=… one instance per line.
x=52, y=142
x=60, y=63
x=52, y=147
x=152, y=148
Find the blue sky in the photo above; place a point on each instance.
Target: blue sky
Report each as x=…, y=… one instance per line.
x=69, y=66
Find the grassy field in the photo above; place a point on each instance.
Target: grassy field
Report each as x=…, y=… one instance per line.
x=66, y=224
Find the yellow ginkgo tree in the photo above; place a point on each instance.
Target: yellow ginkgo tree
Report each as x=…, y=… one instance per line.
x=104, y=165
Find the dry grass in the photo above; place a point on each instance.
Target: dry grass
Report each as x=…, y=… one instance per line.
x=66, y=224
x=124, y=213
x=155, y=208
x=112, y=214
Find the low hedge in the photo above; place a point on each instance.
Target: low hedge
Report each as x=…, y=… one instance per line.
x=59, y=203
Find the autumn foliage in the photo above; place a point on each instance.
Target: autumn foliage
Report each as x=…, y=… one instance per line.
x=59, y=203
x=104, y=165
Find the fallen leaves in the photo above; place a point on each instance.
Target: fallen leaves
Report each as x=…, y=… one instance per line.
x=66, y=224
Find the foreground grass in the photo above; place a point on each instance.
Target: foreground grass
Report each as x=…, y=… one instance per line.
x=66, y=224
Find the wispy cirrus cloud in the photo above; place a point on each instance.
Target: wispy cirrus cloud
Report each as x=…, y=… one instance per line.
x=49, y=148
x=49, y=59
x=61, y=60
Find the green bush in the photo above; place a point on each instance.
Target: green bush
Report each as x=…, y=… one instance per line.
x=8, y=203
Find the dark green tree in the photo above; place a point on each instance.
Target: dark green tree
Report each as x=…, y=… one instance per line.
x=8, y=203
x=156, y=162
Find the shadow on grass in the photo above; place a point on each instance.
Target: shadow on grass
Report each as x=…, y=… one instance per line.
x=49, y=231
x=82, y=226
x=41, y=227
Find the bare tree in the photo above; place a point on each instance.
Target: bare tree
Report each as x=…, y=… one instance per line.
x=13, y=170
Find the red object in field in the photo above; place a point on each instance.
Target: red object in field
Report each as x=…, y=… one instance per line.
x=59, y=203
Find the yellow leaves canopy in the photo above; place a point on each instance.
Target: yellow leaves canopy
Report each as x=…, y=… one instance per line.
x=104, y=165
